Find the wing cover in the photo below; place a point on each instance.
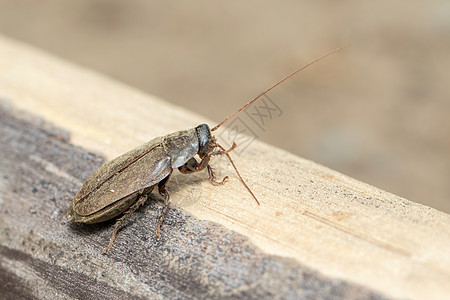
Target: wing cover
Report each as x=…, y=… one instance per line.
x=139, y=168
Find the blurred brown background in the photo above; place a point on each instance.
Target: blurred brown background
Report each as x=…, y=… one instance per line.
x=377, y=111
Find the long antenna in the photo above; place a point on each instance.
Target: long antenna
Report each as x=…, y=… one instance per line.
x=277, y=84
x=237, y=172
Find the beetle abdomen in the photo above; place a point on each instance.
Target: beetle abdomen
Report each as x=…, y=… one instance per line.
x=108, y=212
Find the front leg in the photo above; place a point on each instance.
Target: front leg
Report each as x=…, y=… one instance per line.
x=212, y=177
x=194, y=166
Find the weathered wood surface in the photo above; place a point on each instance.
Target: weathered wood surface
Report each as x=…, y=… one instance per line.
x=317, y=233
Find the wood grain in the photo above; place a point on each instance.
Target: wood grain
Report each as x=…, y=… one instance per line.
x=312, y=220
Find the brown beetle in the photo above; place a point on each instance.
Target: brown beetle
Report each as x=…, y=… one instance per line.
x=123, y=184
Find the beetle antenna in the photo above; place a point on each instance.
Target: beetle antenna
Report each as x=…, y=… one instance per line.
x=237, y=172
x=277, y=84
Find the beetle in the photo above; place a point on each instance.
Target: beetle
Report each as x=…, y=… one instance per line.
x=122, y=185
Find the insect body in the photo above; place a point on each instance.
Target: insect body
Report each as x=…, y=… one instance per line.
x=123, y=184
x=126, y=181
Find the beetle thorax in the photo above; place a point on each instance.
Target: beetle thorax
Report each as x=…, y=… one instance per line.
x=181, y=146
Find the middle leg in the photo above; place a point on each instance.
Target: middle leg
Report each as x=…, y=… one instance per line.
x=163, y=192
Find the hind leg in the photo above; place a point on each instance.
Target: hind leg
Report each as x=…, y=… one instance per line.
x=126, y=216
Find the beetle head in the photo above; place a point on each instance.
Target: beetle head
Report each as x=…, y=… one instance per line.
x=206, y=142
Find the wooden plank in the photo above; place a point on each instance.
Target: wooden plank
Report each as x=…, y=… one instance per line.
x=316, y=233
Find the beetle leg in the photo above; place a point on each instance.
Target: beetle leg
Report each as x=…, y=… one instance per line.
x=123, y=219
x=212, y=177
x=192, y=165
x=219, y=152
x=163, y=192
